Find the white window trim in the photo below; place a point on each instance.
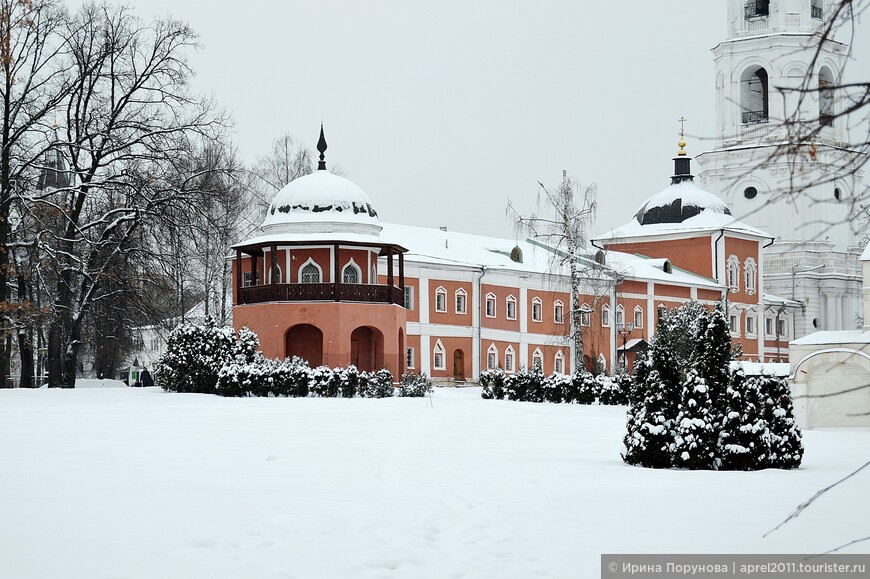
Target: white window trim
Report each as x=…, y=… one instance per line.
x=352, y=265
x=733, y=265
x=247, y=279
x=605, y=308
x=443, y=292
x=620, y=313
x=308, y=262
x=556, y=306
x=538, y=355
x=490, y=351
x=737, y=333
x=509, y=351
x=772, y=334
x=559, y=357
x=456, y=294
x=280, y=273
x=750, y=315
x=507, y=311
x=410, y=290
x=439, y=349
x=585, y=312
x=638, y=310
x=750, y=267
x=540, y=304
x=490, y=297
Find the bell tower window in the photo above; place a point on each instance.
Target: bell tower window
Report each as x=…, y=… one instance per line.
x=757, y=8
x=754, y=96
x=826, y=97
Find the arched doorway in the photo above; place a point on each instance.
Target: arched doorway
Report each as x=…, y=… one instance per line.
x=458, y=366
x=367, y=348
x=305, y=341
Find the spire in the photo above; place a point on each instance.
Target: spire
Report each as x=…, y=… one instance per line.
x=682, y=163
x=321, y=146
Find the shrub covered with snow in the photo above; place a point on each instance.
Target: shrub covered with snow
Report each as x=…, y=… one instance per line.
x=414, y=385
x=555, y=387
x=376, y=384
x=196, y=353
x=744, y=440
x=786, y=440
x=324, y=382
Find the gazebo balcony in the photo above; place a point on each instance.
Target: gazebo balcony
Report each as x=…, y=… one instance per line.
x=332, y=292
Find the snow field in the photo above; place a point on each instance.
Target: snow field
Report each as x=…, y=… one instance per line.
x=139, y=483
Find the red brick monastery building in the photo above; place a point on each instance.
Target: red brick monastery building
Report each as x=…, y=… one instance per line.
x=329, y=282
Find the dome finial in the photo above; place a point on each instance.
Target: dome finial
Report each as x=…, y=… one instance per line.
x=682, y=143
x=321, y=146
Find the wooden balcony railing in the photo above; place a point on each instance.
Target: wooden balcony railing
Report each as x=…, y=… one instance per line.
x=302, y=292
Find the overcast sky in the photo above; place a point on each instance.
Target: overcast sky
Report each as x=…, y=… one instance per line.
x=441, y=111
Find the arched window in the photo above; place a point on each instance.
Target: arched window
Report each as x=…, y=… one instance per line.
x=278, y=277
x=438, y=359
x=751, y=322
x=461, y=301
x=559, y=363
x=509, y=359
x=537, y=310
x=490, y=305
x=585, y=315
x=638, y=317
x=538, y=359
x=605, y=316
x=511, y=308
x=373, y=277
x=351, y=273
x=491, y=357
x=440, y=300
x=733, y=273
x=750, y=274
x=559, y=312
x=754, y=96
x=310, y=272
x=826, y=97
x=620, y=316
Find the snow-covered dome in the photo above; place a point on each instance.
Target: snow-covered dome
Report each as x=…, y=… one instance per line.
x=679, y=202
x=321, y=202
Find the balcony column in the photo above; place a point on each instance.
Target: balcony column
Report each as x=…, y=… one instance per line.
x=274, y=255
x=336, y=274
x=402, y=272
x=238, y=276
x=390, y=267
x=254, y=277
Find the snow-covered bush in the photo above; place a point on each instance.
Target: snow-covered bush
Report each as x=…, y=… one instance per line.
x=376, y=384
x=744, y=441
x=696, y=427
x=196, y=353
x=324, y=382
x=585, y=387
x=555, y=386
x=612, y=390
x=786, y=441
x=414, y=385
x=348, y=381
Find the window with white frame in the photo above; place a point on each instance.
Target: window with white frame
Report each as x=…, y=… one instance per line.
x=733, y=273
x=605, y=316
x=511, y=308
x=490, y=305
x=409, y=297
x=509, y=359
x=559, y=363
x=438, y=360
x=538, y=359
x=373, y=277
x=751, y=322
x=768, y=327
x=310, y=272
x=750, y=274
x=782, y=328
x=461, y=301
x=491, y=357
x=246, y=279
x=559, y=312
x=620, y=316
x=351, y=273
x=409, y=357
x=638, y=317
x=278, y=276
x=585, y=315
x=440, y=299
x=537, y=310
x=661, y=311
x=734, y=323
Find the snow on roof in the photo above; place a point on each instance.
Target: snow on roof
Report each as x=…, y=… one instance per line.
x=834, y=337
x=773, y=300
x=428, y=245
x=758, y=369
x=319, y=196
x=322, y=237
x=866, y=255
x=713, y=215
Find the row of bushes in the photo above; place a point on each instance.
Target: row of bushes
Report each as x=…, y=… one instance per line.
x=532, y=386
x=214, y=360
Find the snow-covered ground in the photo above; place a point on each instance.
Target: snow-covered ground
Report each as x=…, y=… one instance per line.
x=139, y=483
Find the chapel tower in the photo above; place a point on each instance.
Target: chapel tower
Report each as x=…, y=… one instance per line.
x=768, y=54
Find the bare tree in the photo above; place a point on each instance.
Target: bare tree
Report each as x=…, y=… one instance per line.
x=570, y=210
x=127, y=123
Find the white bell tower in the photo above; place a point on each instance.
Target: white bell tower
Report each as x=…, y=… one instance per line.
x=769, y=52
